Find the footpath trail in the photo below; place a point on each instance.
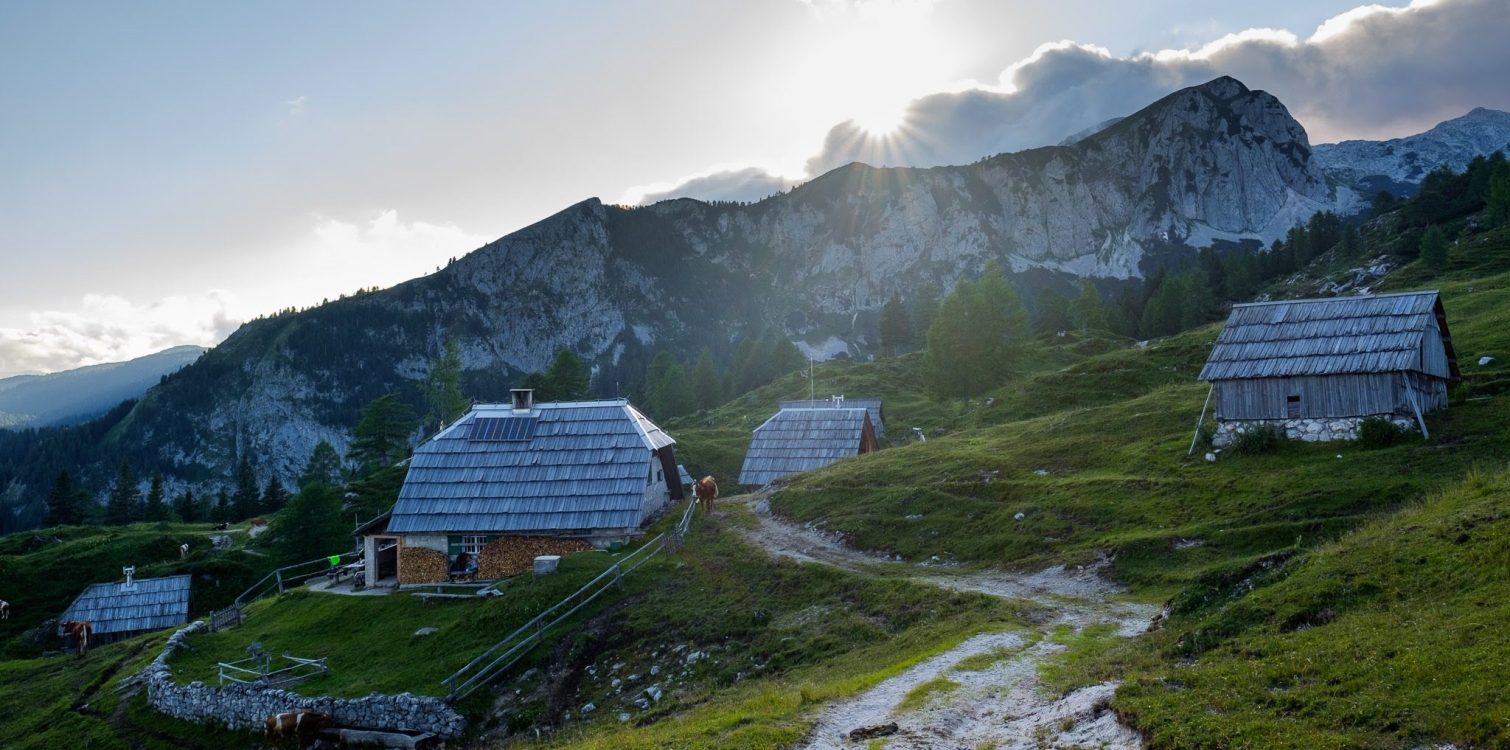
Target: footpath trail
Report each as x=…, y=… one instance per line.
x=987, y=691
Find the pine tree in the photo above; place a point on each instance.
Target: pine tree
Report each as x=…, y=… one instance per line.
x=274, y=496
x=247, y=500
x=313, y=527
x=568, y=378
x=1434, y=249
x=1085, y=310
x=382, y=435
x=705, y=385
x=896, y=327
x=221, y=512
x=125, y=496
x=187, y=507
x=156, y=509
x=324, y=466
x=444, y=401
x=1051, y=312
x=65, y=506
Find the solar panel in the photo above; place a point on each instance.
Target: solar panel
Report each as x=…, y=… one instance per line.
x=503, y=428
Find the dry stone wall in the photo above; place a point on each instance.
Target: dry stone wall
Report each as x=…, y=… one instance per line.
x=1309, y=430
x=244, y=707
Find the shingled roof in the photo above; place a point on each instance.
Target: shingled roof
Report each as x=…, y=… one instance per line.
x=1342, y=335
x=559, y=468
x=145, y=604
x=801, y=439
x=872, y=406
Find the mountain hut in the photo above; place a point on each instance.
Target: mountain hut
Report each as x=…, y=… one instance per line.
x=1319, y=367
x=508, y=482
x=799, y=439
x=872, y=406
x=121, y=610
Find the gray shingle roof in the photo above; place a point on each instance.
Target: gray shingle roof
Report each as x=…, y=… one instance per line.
x=583, y=469
x=149, y=604
x=871, y=405
x=685, y=477
x=801, y=439
x=1366, y=334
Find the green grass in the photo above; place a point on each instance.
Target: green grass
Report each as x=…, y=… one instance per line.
x=927, y=692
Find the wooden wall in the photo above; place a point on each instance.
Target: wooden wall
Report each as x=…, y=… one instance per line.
x=1326, y=396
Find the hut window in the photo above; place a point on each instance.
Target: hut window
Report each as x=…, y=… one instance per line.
x=1292, y=407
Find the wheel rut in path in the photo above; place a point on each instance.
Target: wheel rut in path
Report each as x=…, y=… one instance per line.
x=996, y=698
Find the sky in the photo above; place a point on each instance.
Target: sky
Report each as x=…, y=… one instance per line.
x=170, y=169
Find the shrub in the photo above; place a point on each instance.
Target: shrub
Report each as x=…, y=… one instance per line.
x=1378, y=432
x=1259, y=438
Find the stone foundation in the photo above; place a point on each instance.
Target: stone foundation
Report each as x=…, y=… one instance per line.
x=1310, y=430
x=246, y=707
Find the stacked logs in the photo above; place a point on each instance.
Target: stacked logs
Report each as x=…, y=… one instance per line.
x=512, y=555
x=421, y=565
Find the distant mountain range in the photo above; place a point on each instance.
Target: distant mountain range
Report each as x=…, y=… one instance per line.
x=73, y=396
x=1398, y=165
x=1210, y=163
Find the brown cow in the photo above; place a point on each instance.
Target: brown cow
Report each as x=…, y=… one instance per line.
x=304, y=726
x=4, y=610
x=258, y=521
x=80, y=631
x=707, y=492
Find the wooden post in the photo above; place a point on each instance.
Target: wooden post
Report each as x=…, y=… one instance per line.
x=1415, y=404
x=280, y=582
x=1201, y=421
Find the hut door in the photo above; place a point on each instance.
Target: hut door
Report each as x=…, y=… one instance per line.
x=1292, y=407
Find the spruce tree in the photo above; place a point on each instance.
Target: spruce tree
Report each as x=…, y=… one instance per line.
x=313, y=527
x=1434, y=249
x=705, y=385
x=156, y=508
x=1051, y=312
x=324, y=466
x=274, y=496
x=786, y=358
x=896, y=327
x=65, y=506
x=444, y=401
x=247, y=500
x=125, y=496
x=1497, y=203
x=187, y=507
x=978, y=329
x=1085, y=310
x=381, y=437
x=221, y=512
x=568, y=378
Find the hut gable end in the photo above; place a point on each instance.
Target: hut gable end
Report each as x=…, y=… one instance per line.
x=800, y=439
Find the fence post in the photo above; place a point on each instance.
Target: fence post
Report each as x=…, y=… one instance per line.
x=280, y=582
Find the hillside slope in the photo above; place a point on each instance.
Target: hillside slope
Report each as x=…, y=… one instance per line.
x=74, y=396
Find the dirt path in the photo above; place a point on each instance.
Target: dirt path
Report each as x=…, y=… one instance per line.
x=985, y=701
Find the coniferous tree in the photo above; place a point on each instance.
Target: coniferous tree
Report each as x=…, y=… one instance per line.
x=568, y=378
x=156, y=508
x=247, y=500
x=896, y=327
x=444, y=401
x=978, y=328
x=1085, y=310
x=925, y=305
x=324, y=466
x=187, y=507
x=786, y=358
x=122, y=507
x=313, y=527
x=382, y=435
x=274, y=496
x=1051, y=312
x=65, y=506
x=705, y=383
x=1497, y=202
x=672, y=395
x=1351, y=243
x=221, y=511
x=1434, y=249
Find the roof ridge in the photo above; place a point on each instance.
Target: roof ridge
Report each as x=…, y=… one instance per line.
x=1348, y=298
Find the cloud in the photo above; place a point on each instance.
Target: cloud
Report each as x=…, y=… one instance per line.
x=108, y=328
x=379, y=251
x=296, y=105
x=719, y=184
x=1372, y=72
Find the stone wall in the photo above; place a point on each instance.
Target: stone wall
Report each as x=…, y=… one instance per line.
x=245, y=707
x=1309, y=430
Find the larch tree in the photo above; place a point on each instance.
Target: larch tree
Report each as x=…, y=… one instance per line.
x=323, y=467
x=1434, y=249
x=382, y=435
x=568, y=378
x=444, y=401
x=1086, y=311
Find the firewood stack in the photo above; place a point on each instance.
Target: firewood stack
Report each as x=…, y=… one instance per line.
x=512, y=555
x=420, y=565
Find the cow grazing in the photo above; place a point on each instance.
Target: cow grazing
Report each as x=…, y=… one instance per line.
x=304, y=726
x=222, y=526
x=4, y=610
x=258, y=521
x=80, y=632
x=707, y=491
x=183, y=550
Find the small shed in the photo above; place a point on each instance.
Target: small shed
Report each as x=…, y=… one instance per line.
x=508, y=482
x=800, y=439
x=1318, y=367
x=121, y=610
x=872, y=407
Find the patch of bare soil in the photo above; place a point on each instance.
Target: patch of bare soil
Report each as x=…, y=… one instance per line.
x=1002, y=704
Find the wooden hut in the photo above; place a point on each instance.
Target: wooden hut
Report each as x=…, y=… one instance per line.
x=121, y=610
x=800, y=439
x=507, y=482
x=872, y=407
x=1318, y=367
